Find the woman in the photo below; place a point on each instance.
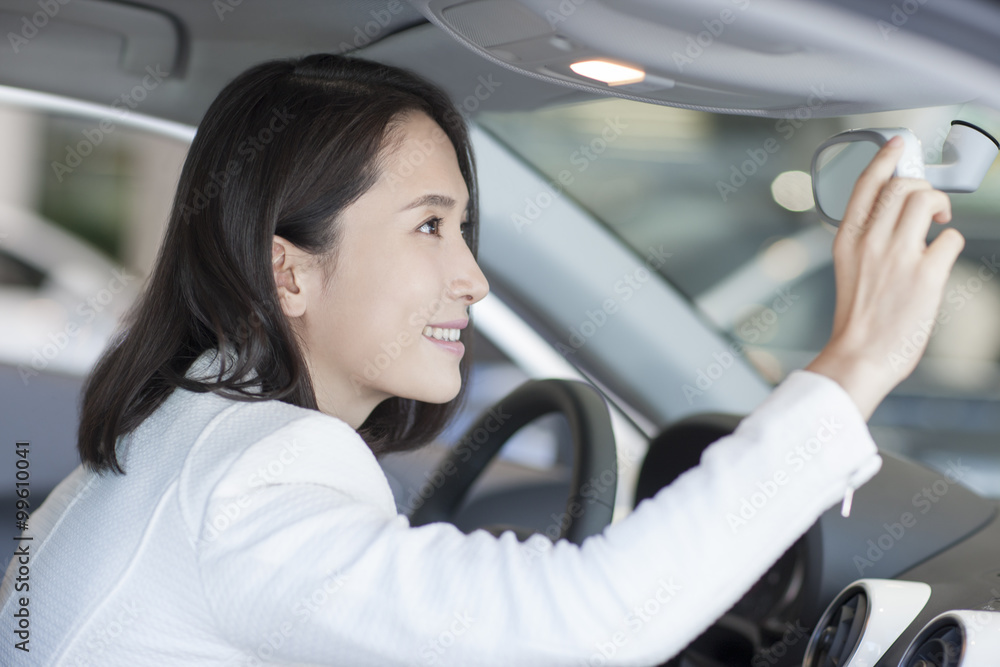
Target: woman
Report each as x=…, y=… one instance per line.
x=230, y=508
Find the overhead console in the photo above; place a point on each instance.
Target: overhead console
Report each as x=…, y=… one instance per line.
x=767, y=57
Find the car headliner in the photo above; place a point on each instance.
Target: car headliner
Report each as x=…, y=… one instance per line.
x=94, y=51
x=97, y=49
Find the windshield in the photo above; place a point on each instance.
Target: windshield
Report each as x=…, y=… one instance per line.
x=728, y=199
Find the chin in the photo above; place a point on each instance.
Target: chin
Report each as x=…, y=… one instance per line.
x=431, y=391
x=437, y=397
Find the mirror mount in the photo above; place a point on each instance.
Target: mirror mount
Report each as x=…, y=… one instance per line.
x=967, y=155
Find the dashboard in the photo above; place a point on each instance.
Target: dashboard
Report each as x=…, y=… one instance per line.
x=910, y=579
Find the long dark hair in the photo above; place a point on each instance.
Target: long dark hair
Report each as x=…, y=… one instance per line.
x=283, y=149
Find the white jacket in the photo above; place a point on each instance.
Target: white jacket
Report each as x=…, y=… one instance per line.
x=249, y=532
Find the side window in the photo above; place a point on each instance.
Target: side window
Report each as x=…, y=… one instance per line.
x=81, y=215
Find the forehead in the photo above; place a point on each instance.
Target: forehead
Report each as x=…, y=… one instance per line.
x=419, y=157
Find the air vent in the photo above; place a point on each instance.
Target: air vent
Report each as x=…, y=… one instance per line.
x=840, y=631
x=957, y=638
x=863, y=621
x=943, y=648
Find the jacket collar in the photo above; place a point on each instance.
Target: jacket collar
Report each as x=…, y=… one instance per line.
x=207, y=366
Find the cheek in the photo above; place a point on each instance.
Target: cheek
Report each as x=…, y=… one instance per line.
x=380, y=296
x=381, y=308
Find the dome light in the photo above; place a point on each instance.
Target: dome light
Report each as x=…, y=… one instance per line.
x=610, y=73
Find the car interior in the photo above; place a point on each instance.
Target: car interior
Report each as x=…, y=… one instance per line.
x=656, y=259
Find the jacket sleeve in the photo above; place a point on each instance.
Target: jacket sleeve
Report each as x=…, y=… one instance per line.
x=317, y=572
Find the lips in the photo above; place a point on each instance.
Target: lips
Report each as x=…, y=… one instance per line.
x=454, y=324
x=446, y=335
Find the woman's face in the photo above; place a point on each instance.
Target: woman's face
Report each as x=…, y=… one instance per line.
x=401, y=286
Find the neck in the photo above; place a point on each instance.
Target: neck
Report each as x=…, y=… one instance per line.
x=350, y=401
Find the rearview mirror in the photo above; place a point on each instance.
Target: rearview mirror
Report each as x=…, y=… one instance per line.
x=966, y=156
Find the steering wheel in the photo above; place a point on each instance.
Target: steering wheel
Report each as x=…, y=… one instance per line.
x=594, y=480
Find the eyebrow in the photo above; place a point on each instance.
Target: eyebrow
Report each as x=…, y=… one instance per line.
x=441, y=201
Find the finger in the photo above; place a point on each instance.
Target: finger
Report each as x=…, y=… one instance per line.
x=921, y=207
x=868, y=186
x=941, y=255
x=888, y=206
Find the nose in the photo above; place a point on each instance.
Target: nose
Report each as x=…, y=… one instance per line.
x=468, y=284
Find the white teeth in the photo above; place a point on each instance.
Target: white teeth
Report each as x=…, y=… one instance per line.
x=442, y=334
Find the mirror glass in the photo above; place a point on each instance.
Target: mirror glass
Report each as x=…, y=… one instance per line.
x=836, y=171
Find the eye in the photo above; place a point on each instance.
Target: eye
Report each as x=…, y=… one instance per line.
x=466, y=229
x=431, y=226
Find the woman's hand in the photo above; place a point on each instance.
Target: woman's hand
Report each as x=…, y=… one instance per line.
x=889, y=281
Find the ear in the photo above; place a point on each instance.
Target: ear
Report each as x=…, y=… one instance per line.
x=289, y=266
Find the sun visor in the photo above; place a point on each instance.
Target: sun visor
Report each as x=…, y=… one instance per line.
x=128, y=42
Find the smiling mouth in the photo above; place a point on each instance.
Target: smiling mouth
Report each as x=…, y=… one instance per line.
x=448, y=335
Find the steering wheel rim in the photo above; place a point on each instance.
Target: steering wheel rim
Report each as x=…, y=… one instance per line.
x=591, y=499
